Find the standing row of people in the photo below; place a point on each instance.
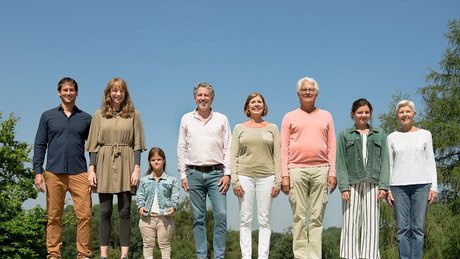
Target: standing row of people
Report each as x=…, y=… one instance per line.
x=257, y=159
x=260, y=161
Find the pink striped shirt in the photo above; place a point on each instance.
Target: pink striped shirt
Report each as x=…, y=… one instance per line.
x=307, y=140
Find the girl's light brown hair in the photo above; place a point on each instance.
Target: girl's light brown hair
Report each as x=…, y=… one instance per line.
x=127, y=107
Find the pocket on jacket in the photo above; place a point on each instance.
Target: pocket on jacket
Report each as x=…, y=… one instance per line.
x=350, y=147
x=377, y=148
x=376, y=160
x=167, y=187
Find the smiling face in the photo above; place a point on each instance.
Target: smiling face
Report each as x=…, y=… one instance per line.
x=255, y=106
x=68, y=93
x=156, y=163
x=362, y=116
x=203, y=99
x=406, y=116
x=307, y=93
x=117, y=96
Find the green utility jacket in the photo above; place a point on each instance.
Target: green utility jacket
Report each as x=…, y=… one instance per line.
x=349, y=163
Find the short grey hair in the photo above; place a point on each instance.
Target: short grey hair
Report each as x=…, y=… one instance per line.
x=310, y=80
x=404, y=103
x=203, y=85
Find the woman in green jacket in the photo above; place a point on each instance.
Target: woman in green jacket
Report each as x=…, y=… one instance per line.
x=363, y=176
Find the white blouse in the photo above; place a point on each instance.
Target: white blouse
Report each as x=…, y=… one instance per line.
x=412, y=158
x=364, y=137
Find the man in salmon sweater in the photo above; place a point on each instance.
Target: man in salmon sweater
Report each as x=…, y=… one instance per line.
x=308, y=167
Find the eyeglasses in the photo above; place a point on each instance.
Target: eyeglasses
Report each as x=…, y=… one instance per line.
x=306, y=90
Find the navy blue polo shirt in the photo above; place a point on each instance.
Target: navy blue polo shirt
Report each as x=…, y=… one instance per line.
x=62, y=139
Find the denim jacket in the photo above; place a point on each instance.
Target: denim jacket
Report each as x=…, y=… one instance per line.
x=349, y=163
x=166, y=188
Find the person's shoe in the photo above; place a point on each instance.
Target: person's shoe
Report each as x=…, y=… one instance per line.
x=124, y=257
x=103, y=257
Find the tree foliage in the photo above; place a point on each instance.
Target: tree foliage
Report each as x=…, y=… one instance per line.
x=331, y=243
x=441, y=116
x=16, y=178
x=22, y=232
x=388, y=120
x=281, y=245
x=387, y=238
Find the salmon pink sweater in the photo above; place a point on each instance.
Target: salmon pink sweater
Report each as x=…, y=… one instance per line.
x=307, y=140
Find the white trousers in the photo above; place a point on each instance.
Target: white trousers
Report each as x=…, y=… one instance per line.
x=360, y=222
x=261, y=187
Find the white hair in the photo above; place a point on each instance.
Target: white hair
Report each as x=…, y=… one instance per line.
x=310, y=80
x=404, y=103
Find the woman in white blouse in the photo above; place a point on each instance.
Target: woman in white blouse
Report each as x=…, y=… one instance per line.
x=413, y=183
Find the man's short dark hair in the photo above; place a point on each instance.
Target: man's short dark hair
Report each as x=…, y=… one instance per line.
x=67, y=80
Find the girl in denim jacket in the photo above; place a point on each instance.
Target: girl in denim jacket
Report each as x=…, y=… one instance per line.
x=157, y=199
x=363, y=175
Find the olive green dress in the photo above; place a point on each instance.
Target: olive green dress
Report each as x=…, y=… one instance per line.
x=115, y=140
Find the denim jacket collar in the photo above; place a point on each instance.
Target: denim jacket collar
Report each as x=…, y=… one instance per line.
x=163, y=176
x=371, y=130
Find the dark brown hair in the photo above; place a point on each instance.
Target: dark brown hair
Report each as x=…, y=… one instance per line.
x=359, y=103
x=67, y=80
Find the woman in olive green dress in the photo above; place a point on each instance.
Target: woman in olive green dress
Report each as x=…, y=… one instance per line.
x=115, y=143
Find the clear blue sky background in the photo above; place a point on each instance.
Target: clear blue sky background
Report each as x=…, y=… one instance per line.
x=162, y=49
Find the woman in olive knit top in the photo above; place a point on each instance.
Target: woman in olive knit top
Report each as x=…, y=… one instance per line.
x=255, y=171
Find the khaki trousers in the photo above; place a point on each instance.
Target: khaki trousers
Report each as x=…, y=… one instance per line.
x=57, y=185
x=155, y=227
x=308, y=197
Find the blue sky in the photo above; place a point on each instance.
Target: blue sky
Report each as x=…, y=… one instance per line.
x=354, y=49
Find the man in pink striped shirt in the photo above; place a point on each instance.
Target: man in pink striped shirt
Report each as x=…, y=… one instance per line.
x=308, y=167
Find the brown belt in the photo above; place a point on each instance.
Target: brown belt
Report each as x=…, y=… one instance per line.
x=206, y=168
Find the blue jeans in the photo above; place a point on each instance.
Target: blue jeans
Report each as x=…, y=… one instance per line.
x=201, y=184
x=410, y=205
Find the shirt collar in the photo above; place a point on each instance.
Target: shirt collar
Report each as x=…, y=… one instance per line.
x=75, y=108
x=195, y=112
x=371, y=130
x=195, y=116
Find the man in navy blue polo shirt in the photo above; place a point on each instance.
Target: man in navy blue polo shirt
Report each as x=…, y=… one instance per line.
x=61, y=135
